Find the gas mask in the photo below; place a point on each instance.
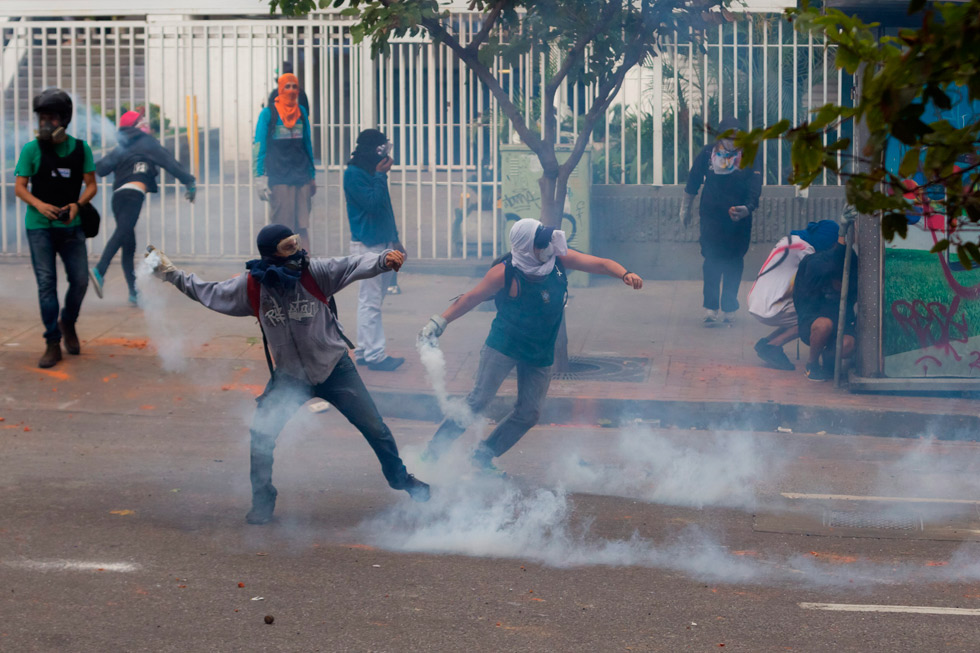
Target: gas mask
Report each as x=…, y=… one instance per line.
x=49, y=132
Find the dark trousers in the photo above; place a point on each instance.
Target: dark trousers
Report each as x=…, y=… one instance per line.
x=532, y=388
x=345, y=390
x=126, y=206
x=727, y=274
x=46, y=245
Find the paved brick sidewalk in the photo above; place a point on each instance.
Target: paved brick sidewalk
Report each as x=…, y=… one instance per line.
x=692, y=376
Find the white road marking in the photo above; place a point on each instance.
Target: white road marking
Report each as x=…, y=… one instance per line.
x=852, y=497
x=71, y=565
x=905, y=609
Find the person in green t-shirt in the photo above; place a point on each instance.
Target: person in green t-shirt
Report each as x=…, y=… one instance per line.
x=50, y=174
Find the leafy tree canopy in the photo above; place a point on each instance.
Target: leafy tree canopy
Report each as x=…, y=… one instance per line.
x=592, y=43
x=905, y=78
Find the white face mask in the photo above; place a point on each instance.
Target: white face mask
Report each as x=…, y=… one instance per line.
x=544, y=255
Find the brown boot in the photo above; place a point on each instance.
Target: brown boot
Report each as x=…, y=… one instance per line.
x=51, y=355
x=71, y=338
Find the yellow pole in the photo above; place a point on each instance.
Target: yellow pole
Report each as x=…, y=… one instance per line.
x=190, y=139
x=197, y=141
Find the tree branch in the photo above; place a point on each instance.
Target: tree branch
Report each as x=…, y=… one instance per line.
x=436, y=29
x=551, y=88
x=488, y=22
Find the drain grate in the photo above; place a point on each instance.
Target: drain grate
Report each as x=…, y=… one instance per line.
x=604, y=368
x=853, y=519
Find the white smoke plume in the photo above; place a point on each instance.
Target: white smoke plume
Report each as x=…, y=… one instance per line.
x=723, y=470
x=435, y=371
x=173, y=339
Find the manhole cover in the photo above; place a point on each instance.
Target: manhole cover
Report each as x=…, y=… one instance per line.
x=851, y=519
x=603, y=368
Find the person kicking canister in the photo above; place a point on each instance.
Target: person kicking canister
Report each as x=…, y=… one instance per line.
x=529, y=287
x=291, y=295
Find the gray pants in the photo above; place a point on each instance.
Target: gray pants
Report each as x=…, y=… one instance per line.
x=532, y=388
x=370, y=296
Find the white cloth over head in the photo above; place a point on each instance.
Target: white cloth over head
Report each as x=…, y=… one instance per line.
x=522, y=248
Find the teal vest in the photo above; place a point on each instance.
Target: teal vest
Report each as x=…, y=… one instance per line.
x=526, y=326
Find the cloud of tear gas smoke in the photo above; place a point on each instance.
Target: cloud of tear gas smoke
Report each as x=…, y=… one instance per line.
x=173, y=340
x=494, y=518
x=724, y=470
x=435, y=371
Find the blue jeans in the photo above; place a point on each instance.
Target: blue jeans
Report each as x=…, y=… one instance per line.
x=345, y=390
x=69, y=244
x=532, y=388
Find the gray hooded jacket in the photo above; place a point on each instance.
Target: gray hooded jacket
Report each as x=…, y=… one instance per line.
x=304, y=337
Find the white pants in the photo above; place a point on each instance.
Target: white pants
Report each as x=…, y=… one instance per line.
x=370, y=295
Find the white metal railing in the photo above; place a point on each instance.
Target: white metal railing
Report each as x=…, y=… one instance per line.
x=205, y=81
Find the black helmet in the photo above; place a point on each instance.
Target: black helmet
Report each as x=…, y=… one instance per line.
x=56, y=101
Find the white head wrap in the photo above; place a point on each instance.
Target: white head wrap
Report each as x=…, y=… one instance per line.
x=522, y=248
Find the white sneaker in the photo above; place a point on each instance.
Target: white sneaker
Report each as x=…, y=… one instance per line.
x=729, y=317
x=710, y=317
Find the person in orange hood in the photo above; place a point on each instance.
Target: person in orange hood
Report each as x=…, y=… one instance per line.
x=283, y=157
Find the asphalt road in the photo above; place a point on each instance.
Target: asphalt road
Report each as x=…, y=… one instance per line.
x=122, y=532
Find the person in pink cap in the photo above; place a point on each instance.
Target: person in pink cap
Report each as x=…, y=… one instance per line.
x=135, y=163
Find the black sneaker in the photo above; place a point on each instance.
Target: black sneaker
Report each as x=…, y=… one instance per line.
x=263, y=505
x=387, y=364
x=815, y=372
x=773, y=356
x=418, y=490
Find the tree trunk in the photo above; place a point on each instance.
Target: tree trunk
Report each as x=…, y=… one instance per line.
x=553, y=191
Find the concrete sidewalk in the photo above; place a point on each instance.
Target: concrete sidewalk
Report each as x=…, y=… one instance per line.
x=678, y=372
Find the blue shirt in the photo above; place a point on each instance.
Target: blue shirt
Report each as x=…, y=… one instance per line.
x=369, y=211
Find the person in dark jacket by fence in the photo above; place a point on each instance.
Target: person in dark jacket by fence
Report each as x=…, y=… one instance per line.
x=730, y=195
x=135, y=164
x=817, y=296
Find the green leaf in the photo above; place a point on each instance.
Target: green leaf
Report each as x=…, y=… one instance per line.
x=910, y=163
x=941, y=246
x=964, y=257
x=894, y=224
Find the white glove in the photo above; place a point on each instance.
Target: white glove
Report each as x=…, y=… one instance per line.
x=164, y=264
x=737, y=213
x=433, y=328
x=687, y=210
x=262, y=186
x=846, y=219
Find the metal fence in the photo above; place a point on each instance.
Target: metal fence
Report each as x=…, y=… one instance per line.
x=204, y=83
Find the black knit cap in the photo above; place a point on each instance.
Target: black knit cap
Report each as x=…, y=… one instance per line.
x=269, y=238
x=727, y=124
x=370, y=138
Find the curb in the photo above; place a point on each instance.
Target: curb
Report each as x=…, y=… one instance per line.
x=707, y=415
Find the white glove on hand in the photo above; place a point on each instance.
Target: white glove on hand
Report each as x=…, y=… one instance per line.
x=687, y=210
x=433, y=328
x=737, y=213
x=846, y=219
x=262, y=186
x=164, y=264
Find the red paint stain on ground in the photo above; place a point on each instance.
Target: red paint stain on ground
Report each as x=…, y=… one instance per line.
x=362, y=547
x=54, y=374
x=106, y=379
x=833, y=557
x=147, y=407
x=254, y=390
x=131, y=343
x=936, y=563
x=746, y=553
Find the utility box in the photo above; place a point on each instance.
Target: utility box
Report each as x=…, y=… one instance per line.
x=521, y=198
